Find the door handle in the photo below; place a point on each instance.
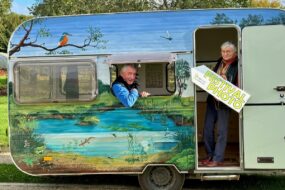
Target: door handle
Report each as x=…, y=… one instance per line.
x=279, y=88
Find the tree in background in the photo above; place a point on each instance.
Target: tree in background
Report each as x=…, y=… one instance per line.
x=71, y=7
x=193, y=4
x=5, y=6
x=265, y=3
x=8, y=23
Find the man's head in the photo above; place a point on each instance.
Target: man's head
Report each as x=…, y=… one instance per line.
x=128, y=73
x=228, y=51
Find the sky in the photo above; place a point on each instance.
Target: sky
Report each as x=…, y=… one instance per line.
x=21, y=6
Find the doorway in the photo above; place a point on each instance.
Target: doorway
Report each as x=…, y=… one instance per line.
x=208, y=41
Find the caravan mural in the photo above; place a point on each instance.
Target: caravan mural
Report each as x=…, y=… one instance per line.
x=64, y=118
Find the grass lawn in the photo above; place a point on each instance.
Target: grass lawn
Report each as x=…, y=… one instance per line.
x=3, y=121
x=3, y=81
x=9, y=173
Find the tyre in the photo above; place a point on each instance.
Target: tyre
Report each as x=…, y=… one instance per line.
x=161, y=178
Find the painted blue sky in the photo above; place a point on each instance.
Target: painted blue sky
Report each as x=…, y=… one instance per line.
x=131, y=32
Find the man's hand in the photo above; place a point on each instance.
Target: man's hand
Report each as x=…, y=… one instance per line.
x=144, y=94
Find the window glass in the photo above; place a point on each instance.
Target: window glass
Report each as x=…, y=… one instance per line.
x=54, y=82
x=154, y=77
x=34, y=83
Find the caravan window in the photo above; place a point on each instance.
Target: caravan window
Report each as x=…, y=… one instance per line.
x=54, y=82
x=156, y=78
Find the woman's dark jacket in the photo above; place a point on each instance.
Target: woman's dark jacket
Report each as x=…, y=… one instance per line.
x=232, y=77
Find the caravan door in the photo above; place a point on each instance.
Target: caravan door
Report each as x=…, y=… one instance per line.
x=263, y=59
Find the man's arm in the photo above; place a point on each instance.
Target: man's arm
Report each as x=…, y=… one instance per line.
x=127, y=98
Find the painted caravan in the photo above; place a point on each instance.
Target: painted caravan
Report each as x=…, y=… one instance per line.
x=64, y=119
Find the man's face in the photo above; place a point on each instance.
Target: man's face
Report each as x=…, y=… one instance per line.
x=228, y=53
x=129, y=75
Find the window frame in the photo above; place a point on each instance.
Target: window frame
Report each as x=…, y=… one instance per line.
x=53, y=66
x=167, y=82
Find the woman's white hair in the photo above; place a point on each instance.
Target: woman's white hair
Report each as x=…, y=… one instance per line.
x=229, y=44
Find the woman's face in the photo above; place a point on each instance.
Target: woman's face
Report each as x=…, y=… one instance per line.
x=228, y=53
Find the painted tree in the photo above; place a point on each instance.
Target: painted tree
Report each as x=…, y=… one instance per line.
x=221, y=18
x=251, y=20
x=182, y=69
x=280, y=19
x=94, y=39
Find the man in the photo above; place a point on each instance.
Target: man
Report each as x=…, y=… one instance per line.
x=217, y=112
x=125, y=88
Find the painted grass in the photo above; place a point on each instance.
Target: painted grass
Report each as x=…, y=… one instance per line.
x=9, y=173
x=3, y=121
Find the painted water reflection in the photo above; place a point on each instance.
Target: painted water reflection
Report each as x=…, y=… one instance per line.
x=119, y=132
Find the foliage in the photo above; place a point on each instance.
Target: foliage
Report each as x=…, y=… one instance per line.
x=184, y=160
x=5, y=6
x=103, y=87
x=193, y=4
x=278, y=19
x=8, y=23
x=251, y=20
x=23, y=137
x=71, y=7
x=221, y=18
x=3, y=121
x=105, y=99
x=265, y=3
x=182, y=75
x=3, y=82
x=89, y=120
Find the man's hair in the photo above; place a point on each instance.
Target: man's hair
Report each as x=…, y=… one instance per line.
x=124, y=68
x=229, y=44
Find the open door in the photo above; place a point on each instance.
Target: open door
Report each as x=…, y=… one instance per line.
x=263, y=59
x=207, y=47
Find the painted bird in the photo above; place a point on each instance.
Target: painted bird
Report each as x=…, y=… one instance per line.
x=167, y=36
x=63, y=39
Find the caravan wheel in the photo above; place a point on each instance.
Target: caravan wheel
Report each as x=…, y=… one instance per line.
x=161, y=177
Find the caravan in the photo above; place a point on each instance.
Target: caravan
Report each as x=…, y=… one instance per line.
x=64, y=120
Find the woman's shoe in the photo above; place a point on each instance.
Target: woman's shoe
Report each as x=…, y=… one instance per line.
x=215, y=164
x=206, y=161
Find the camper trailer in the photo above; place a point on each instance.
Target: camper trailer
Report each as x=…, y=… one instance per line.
x=64, y=119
